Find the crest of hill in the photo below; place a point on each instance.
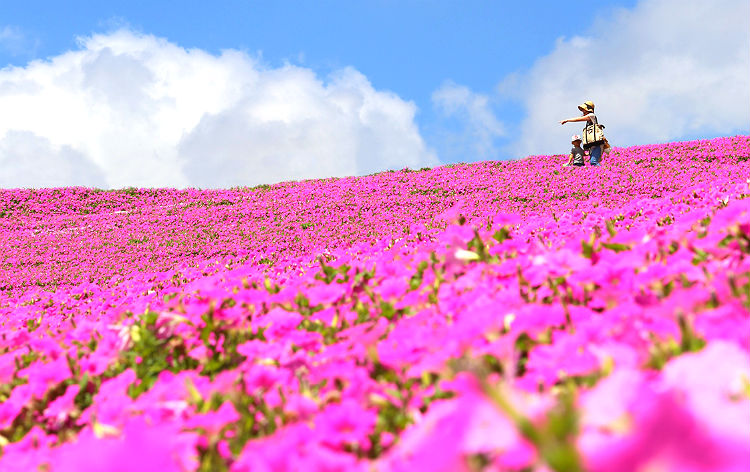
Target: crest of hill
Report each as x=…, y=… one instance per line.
x=157, y=229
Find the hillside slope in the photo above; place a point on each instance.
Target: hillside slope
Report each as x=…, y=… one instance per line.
x=500, y=315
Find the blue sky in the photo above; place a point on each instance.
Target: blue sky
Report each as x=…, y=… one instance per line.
x=409, y=47
x=475, y=70
x=406, y=46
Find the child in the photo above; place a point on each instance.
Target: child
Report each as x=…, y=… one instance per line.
x=576, y=154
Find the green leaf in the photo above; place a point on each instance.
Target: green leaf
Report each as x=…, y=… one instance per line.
x=617, y=247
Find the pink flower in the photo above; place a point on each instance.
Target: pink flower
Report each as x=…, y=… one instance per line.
x=279, y=322
x=30, y=453
x=96, y=363
x=454, y=429
x=631, y=422
x=293, y=448
x=714, y=382
x=140, y=447
x=213, y=421
x=62, y=406
x=392, y=288
x=20, y=397
x=345, y=423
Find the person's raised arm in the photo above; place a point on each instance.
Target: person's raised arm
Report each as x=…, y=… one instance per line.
x=572, y=120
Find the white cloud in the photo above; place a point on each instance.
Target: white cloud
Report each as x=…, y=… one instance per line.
x=28, y=160
x=482, y=126
x=664, y=70
x=142, y=111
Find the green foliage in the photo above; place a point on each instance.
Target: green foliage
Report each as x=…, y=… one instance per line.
x=416, y=280
x=134, y=240
x=477, y=245
x=501, y=235
x=151, y=352
x=617, y=247
x=662, y=351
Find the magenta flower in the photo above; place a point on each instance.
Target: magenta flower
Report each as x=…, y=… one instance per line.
x=453, y=430
x=345, y=423
x=140, y=446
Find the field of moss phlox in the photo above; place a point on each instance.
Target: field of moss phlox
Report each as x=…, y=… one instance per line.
x=491, y=316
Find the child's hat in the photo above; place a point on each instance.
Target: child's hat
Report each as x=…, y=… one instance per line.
x=575, y=138
x=586, y=106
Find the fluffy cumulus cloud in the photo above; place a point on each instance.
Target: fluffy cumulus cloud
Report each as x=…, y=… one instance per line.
x=130, y=109
x=481, y=125
x=663, y=70
x=29, y=160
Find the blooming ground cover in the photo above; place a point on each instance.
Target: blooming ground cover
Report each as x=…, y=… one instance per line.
x=491, y=316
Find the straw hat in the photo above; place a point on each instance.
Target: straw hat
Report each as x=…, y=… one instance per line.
x=587, y=106
x=575, y=138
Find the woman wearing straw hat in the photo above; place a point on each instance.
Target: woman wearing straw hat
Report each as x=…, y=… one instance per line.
x=587, y=108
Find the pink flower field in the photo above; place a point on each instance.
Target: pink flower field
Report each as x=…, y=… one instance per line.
x=490, y=316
